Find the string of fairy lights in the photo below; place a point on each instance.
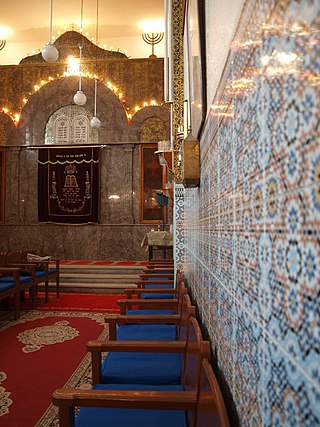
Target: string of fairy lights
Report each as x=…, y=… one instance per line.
x=130, y=112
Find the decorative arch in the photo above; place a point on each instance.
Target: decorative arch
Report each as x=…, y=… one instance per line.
x=153, y=129
x=150, y=119
x=59, y=93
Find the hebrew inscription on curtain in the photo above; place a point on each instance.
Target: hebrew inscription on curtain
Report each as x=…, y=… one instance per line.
x=68, y=185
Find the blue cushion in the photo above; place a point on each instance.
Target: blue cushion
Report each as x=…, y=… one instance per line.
x=4, y=286
x=114, y=417
x=153, y=279
x=40, y=274
x=9, y=279
x=157, y=296
x=149, y=312
x=142, y=368
x=147, y=332
x=52, y=270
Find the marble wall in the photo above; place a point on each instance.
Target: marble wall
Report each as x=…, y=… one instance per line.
x=249, y=235
x=117, y=236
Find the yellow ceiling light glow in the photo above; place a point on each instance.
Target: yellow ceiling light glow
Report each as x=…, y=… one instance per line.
x=152, y=26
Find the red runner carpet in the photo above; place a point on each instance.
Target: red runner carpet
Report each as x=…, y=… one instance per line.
x=97, y=303
x=39, y=353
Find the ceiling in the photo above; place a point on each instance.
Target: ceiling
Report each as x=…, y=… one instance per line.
x=119, y=25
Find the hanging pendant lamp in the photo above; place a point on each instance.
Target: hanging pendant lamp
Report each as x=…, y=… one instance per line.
x=50, y=52
x=80, y=98
x=95, y=122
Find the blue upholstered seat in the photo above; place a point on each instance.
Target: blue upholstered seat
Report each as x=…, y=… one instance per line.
x=141, y=368
x=114, y=417
x=10, y=280
x=5, y=285
x=147, y=332
x=157, y=296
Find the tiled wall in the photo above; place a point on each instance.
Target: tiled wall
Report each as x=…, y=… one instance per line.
x=249, y=237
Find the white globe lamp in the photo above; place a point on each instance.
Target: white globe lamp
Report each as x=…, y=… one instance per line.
x=95, y=123
x=79, y=98
x=50, y=53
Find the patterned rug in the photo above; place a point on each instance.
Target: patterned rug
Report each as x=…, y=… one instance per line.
x=40, y=352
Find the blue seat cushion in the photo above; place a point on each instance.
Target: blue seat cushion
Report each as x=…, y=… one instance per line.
x=141, y=368
x=155, y=279
x=5, y=285
x=115, y=417
x=9, y=279
x=157, y=296
x=147, y=332
x=149, y=312
x=52, y=270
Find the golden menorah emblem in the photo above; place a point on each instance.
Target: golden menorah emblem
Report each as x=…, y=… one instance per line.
x=152, y=39
x=2, y=43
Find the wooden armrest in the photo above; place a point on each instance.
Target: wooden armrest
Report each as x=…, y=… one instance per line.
x=149, y=304
x=147, y=318
x=9, y=269
x=140, y=291
x=23, y=265
x=155, y=282
x=136, y=346
x=171, y=400
x=147, y=301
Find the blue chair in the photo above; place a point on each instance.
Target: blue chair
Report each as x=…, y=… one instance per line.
x=142, y=362
x=196, y=402
x=151, y=327
x=43, y=273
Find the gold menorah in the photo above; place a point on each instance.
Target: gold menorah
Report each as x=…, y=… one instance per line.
x=152, y=38
x=2, y=43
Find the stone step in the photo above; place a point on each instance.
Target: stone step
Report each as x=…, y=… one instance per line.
x=98, y=278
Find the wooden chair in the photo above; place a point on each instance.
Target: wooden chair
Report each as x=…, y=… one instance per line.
x=151, y=327
x=145, y=362
x=196, y=402
x=52, y=269
x=25, y=281
x=16, y=258
x=43, y=275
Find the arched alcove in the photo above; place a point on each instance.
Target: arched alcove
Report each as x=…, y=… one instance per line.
x=154, y=119
x=59, y=93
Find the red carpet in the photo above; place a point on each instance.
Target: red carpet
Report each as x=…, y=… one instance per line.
x=39, y=353
x=91, y=303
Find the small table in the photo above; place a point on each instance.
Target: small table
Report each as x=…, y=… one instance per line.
x=158, y=240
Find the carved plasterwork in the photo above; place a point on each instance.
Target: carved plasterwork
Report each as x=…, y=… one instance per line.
x=178, y=93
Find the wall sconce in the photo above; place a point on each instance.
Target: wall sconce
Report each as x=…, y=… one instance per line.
x=191, y=162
